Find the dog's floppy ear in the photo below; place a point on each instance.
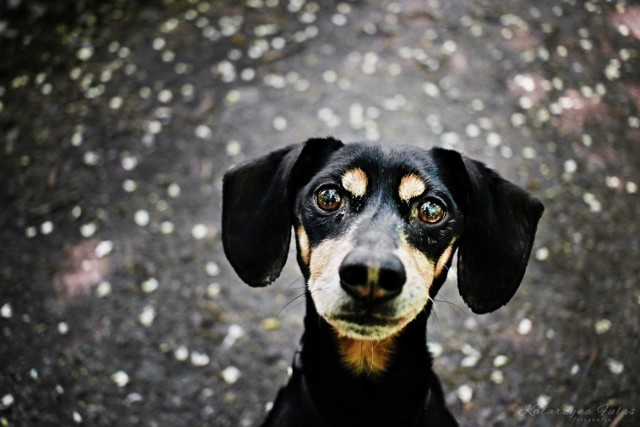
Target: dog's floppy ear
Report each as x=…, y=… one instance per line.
x=500, y=222
x=256, y=208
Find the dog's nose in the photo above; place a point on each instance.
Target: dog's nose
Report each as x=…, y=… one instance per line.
x=372, y=277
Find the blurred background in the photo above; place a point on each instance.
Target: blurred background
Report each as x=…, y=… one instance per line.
x=119, y=118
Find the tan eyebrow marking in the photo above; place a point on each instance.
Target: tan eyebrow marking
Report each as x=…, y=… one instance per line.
x=411, y=186
x=355, y=181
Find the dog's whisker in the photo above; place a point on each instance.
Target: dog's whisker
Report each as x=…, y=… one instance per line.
x=295, y=299
x=434, y=312
x=450, y=303
x=296, y=280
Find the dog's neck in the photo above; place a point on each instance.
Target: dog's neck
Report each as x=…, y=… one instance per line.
x=351, y=388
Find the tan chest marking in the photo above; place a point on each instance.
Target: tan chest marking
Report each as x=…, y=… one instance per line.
x=411, y=186
x=369, y=357
x=355, y=182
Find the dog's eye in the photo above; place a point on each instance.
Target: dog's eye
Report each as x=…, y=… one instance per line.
x=431, y=211
x=329, y=199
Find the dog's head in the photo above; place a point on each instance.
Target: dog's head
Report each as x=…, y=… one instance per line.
x=376, y=229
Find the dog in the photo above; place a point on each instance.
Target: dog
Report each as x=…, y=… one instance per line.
x=376, y=230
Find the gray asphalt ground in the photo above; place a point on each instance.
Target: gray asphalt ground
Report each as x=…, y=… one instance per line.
x=119, y=118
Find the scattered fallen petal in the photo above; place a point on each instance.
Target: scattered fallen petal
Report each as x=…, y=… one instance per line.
x=141, y=217
x=524, y=327
x=212, y=268
x=231, y=375
x=173, y=190
x=85, y=53
x=104, y=248
x=497, y=377
x=120, y=378
x=500, y=361
x=234, y=332
x=199, y=359
x=147, y=316
x=203, y=132
x=602, y=326
x=465, y=393
x=469, y=350
x=570, y=166
x=181, y=353
x=103, y=289
x=7, y=401
x=133, y=398
x=88, y=230
x=542, y=254
x=213, y=290
x=6, y=311
x=435, y=348
x=199, y=231
x=63, y=328
x=167, y=227
x=543, y=401
x=270, y=324
x=46, y=227
x=615, y=366
x=469, y=361
x=150, y=285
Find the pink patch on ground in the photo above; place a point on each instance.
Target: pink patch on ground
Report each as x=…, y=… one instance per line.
x=523, y=39
x=577, y=110
x=634, y=92
x=459, y=62
x=630, y=18
x=81, y=270
x=597, y=158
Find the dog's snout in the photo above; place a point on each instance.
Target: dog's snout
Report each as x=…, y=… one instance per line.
x=372, y=277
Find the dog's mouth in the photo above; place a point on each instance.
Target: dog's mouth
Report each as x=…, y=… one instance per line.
x=366, y=319
x=366, y=325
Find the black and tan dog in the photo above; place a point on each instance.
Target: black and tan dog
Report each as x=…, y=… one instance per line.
x=376, y=231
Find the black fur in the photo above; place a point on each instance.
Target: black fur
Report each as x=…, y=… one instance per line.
x=492, y=221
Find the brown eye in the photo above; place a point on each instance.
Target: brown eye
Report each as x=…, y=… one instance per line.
x=431, y=212
x=329, y=199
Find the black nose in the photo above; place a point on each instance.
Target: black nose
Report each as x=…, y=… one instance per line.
x=372, y=277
